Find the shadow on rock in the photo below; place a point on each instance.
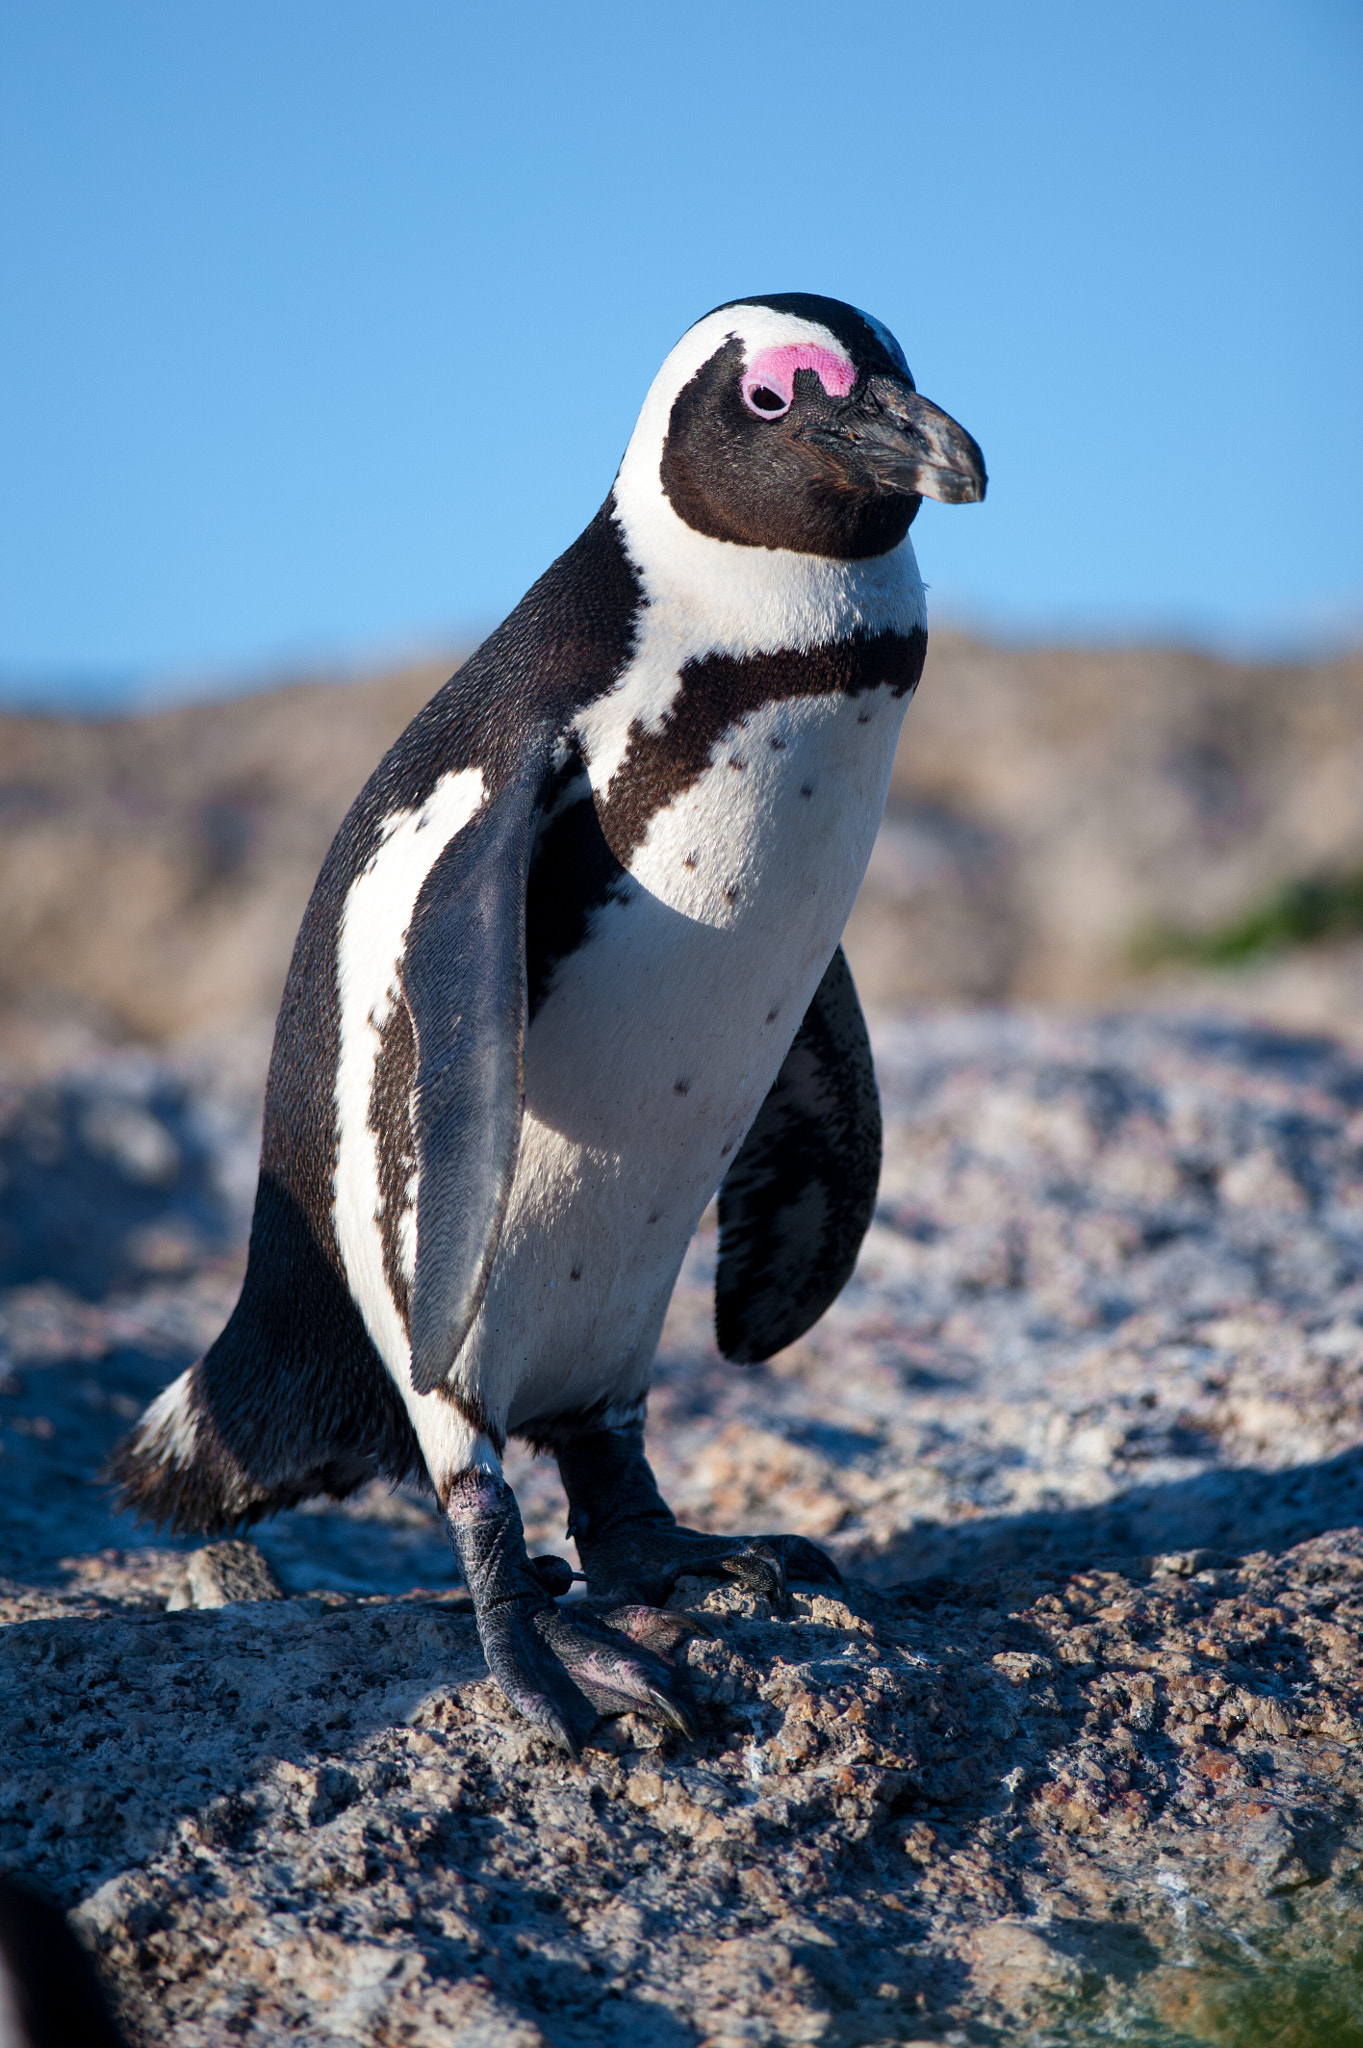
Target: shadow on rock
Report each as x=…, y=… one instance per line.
x=1232, y=1510
x=122, y=1729
x=107, y=1183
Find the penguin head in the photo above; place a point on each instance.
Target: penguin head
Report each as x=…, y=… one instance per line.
x=792, y=422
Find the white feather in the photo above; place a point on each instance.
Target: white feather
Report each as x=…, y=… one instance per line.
x=372, y=940
x=656, y=1047
x=168, y=1432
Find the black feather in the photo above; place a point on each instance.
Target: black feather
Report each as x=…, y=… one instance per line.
x=798, y=1199
x=465, y=983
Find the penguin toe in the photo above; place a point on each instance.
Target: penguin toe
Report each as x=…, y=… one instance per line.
x=565, y=1675
x=658, y=1628
x=535, y=1682
x=803, y=1560
x=617, y=1672
x=643, y=1563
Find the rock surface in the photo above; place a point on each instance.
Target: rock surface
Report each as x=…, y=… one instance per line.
x=1078, y=1756
x=223, y=1575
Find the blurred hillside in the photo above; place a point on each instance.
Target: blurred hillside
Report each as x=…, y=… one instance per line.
x=1050, y=811
x=1053, y=810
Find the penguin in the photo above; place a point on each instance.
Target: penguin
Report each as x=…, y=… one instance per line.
x=50, y=1995
x=571, y=966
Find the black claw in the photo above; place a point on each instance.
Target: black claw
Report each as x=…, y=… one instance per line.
x=558, y=1732
x=673, y=1713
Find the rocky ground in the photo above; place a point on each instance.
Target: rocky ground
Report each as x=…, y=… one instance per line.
x=1078, y=1757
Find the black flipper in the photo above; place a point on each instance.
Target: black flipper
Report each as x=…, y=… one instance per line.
x=293, y=1398
x=464, y=979
x=797, y=1201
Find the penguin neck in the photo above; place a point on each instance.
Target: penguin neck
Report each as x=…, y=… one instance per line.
x=702, y=599
x=702, y=595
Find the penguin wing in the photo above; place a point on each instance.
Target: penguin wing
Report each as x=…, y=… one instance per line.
x=464, y=979
x=796, y=1203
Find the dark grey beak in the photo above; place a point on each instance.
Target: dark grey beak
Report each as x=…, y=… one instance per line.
x=909, y=445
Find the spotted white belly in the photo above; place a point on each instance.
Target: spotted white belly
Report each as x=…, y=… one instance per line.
x=658, y=1042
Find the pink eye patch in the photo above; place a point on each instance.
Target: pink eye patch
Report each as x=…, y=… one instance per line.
x=769, y=380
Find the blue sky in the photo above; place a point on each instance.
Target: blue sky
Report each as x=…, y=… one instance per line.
x=326, y=321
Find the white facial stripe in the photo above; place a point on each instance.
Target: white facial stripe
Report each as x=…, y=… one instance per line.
x=373, y=936
x=757, y=327
x=638, y=488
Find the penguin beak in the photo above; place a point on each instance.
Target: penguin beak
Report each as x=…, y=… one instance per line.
x=899, y=442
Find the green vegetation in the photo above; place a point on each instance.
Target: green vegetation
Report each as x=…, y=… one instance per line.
x=1278, y=2009
x=1300, y=913
x=1202, y=2007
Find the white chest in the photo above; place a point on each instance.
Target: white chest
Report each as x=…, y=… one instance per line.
x=663, y=1031
x=660, y=1038
x=771, y=842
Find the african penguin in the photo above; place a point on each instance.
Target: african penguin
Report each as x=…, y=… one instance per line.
x=50, y=1995
x=571, y=965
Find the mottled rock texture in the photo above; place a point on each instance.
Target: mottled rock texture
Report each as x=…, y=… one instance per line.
x=1078, y=1756
x=223, y=1575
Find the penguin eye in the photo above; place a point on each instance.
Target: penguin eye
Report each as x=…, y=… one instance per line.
x=766, y=403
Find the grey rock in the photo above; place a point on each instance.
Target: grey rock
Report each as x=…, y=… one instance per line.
x=1078, y=1755
x=221, y=1573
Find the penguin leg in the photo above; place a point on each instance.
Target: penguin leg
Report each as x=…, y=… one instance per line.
x=563, y=1669
x=632, y=1546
